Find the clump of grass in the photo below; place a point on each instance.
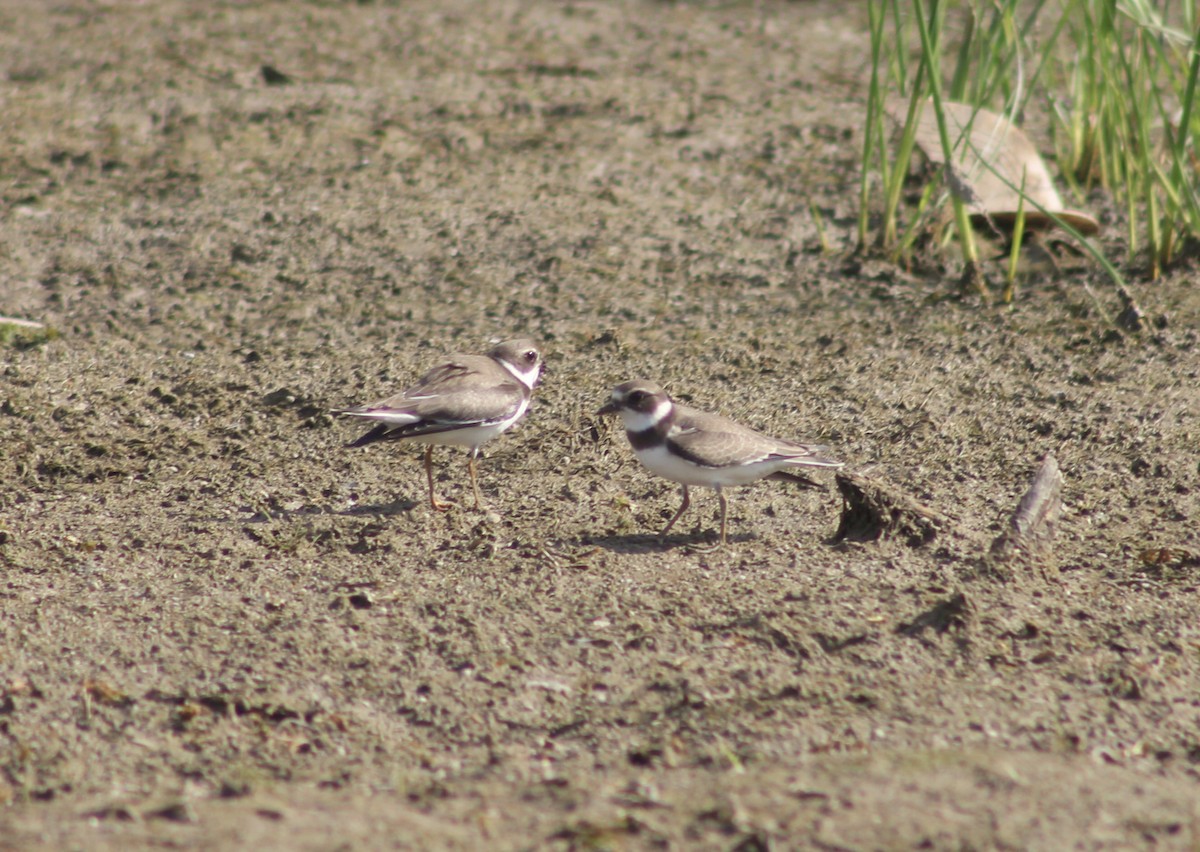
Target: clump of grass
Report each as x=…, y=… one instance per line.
x=931, y=28
x=895, y=35
x=1126, y=118
x=1120, y=81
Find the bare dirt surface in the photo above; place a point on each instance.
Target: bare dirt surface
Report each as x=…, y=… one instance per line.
x=221, y=629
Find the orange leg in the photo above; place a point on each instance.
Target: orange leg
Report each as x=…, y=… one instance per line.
x=474, y=478
x=437, y=507
x=683, y=507
x=721, y=497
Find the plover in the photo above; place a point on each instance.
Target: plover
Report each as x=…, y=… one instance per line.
x=696, y=448
x=464, y=402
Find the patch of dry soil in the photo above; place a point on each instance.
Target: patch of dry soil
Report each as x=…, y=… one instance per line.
x=220, y=628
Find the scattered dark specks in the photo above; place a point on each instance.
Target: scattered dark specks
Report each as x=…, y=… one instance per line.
x=181, y=811
x=272, y=76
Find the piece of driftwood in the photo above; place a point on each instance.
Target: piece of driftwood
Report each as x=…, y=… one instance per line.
x=873, y=509
x=1029, y=537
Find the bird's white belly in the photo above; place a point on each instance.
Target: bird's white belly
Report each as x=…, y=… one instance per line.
x=670, y=466
x=470, y=436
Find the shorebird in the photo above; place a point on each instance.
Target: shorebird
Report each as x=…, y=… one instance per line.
x=695, y=448
x=464, y=402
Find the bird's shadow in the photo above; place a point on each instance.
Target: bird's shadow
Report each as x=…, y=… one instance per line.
x=706, y=542
x=399, y=506
x=375, y=510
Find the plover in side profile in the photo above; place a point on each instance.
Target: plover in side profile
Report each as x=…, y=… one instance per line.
x=464, y=402
x=696, y=448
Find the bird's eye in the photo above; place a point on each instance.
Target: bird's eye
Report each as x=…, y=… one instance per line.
x=636, y=398
x=531, y=355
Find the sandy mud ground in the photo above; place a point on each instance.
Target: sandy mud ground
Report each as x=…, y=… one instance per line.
x=221, y=629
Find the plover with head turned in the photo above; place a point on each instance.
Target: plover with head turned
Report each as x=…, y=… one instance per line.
x=463, y=402
x=695, y=448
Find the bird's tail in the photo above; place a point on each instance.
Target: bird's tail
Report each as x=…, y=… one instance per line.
x=379, y=433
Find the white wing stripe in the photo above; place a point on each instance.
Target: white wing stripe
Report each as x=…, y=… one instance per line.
x=400, y=418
